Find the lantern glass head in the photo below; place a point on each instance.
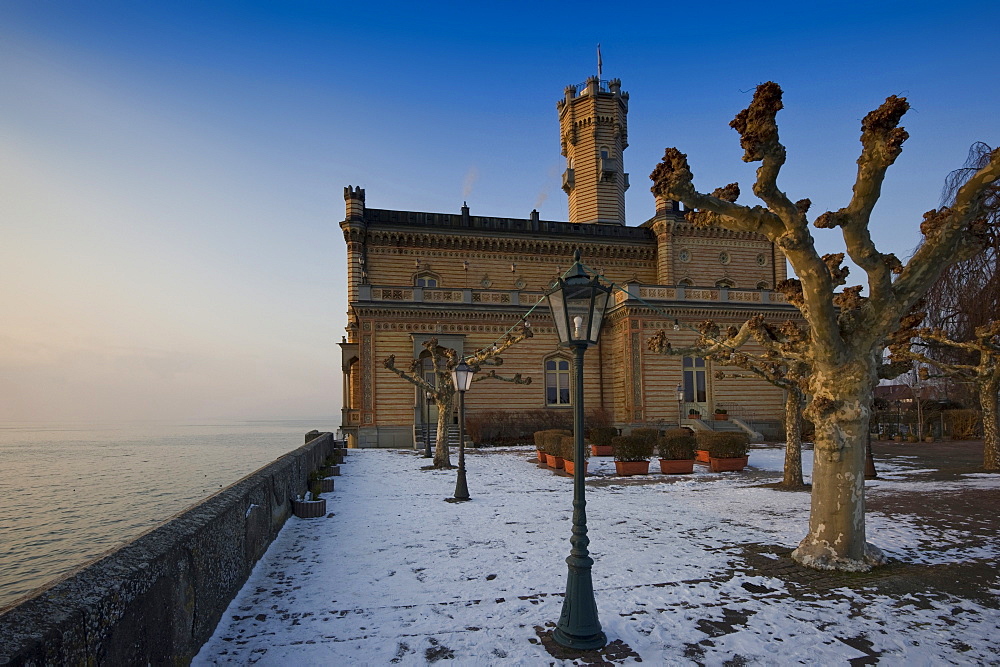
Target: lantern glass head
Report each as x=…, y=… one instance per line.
x=461, y=376
x=680, y=393
x=578, y=305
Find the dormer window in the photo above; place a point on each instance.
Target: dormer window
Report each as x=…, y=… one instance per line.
x=425, y=280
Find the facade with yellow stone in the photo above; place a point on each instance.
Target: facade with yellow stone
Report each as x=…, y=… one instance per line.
x=466, y=280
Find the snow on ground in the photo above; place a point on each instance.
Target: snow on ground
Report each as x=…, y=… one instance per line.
x=397, y=576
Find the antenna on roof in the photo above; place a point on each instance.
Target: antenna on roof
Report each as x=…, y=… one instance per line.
x=600, y=63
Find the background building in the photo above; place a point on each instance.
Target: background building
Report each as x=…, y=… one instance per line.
x=468, y=279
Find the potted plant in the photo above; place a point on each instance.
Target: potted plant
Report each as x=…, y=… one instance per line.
x=694, y=414
x=568, y=450
x=726, y=451
x=600, y=437
x=721, y=414
x=553, y=447
x=540, y=446
x=631, y=454
x=676, y=451
x=310, y=506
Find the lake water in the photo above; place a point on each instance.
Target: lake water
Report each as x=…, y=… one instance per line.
x=71, y=492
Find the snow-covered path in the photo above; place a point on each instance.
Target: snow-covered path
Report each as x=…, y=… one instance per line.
x=397, y=576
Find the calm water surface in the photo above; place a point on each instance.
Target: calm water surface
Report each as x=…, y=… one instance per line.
x=69, y=493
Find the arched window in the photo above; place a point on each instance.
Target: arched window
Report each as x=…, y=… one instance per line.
x=425, y=279
x=605, y=152
x=557, y=381
x=725, y=282
x=763, y=285
x=686, y=282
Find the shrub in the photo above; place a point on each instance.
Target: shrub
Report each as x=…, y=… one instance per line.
x=598, y=418
x=552, y=441
x=723, y=445
x=721, y=411
x=963, y=424
x=676, y=445
x=601, y=435
x=631, y=448
x=568, y=448
x=650, y=434
x=510, y=427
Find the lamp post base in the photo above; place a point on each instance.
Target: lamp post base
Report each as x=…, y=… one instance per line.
x=579, y=643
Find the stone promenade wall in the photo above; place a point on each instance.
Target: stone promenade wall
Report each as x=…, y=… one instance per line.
x=158, y=599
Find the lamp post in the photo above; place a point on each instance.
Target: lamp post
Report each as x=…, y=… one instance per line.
x=680, y=400
x=461, y=376
x=578, y=305
x=427, y=424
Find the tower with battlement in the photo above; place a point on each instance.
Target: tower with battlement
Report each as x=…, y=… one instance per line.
x=593, y=133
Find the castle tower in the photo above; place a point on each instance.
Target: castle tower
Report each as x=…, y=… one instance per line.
x=355, y=233
x=594, y=135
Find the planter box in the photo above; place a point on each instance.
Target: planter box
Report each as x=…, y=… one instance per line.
x=676, y=467
x=570, y=467
x=721, y=418
x=331, y=471
x=326, y=485
x=694, y=416
x=701, y=455
x=728, y=465
x=554, y=461
x=309, y=509
x=541, y=456
x=601, y=450
x=627, y=468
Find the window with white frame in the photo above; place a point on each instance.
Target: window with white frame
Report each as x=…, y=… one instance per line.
x=557, y=381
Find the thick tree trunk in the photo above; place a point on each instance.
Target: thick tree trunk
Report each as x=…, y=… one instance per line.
x=991, y=437
x=794, y=401
x=442, y=454
x=840, y=410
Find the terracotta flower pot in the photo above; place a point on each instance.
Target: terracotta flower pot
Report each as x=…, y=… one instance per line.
x=541, y=457
x=554, y=461
x=676, y=467
x=627, y=468
x=309, y=509
x=721, y=418
x=601, y=450
x=728, y=464
x=701, y=455
x=570, y=467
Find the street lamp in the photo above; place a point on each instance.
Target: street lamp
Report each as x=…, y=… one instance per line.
x=680, y=400
x=427, y=424
x=578, y=305
x=461, y=376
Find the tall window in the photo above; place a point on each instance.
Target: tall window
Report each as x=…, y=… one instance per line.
x=695, y=388
x=557, y=381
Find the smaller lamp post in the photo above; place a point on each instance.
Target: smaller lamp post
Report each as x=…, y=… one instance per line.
x=427, y=424
x=578, y=305
x=461, y=376
x=680, y=402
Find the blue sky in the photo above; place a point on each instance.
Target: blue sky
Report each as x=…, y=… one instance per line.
x=171, y=173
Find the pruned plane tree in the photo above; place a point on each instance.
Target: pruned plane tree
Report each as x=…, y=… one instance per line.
x=847, y=331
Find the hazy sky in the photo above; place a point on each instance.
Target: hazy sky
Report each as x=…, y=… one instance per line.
x=171, y=173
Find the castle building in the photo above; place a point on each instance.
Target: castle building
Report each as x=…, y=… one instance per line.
x=467, y=279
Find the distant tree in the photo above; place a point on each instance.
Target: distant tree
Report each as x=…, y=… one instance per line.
x=847, y=332
x=442, y=390
x=963, y=308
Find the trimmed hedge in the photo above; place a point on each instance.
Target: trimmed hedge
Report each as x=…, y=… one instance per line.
x=551, y=440
x=677, y=444
x=601, y=435
x=723, y=445
x=631, y=448
x=568, y=448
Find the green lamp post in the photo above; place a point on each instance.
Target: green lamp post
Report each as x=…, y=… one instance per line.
x=578, y=305
x=461, y=376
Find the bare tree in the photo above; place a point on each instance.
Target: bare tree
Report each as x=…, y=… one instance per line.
x=781, y=364
x=963, y=307
x=846, y=343
x=442, y=390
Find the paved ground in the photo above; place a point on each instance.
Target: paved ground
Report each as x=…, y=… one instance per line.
x=722, y=591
